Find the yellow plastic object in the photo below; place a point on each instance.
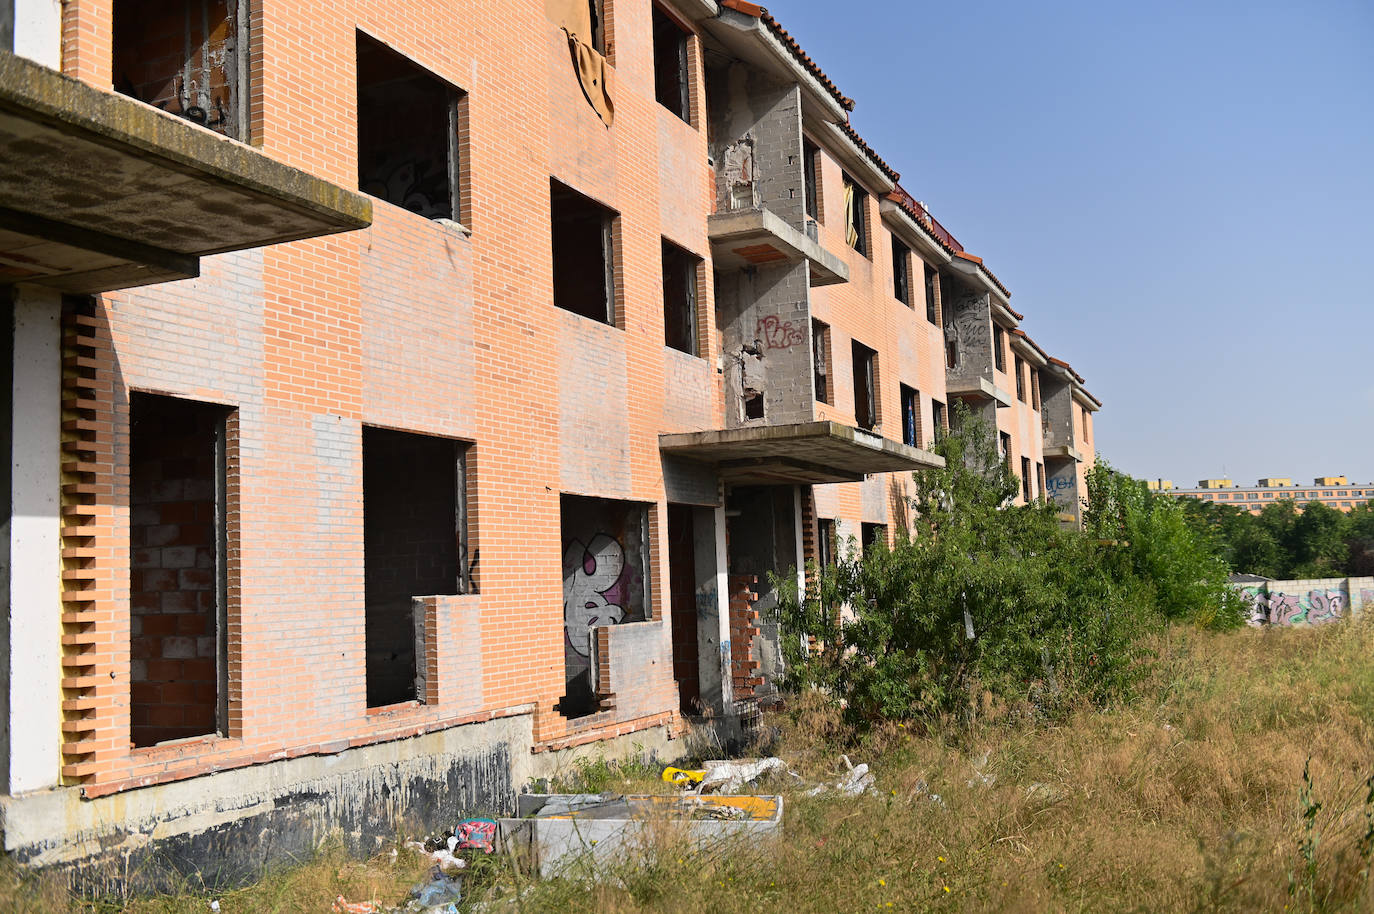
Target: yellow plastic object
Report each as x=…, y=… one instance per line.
x=679, y=776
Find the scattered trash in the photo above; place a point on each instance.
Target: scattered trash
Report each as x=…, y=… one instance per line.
x=440, y=890
x=681, y=777
x=214, y=906
x=342, y=906
x=444, y=857
x=859, y=779
x=729, y=777
x=979, y=776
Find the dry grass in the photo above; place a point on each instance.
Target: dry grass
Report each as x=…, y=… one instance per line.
x=1187, y=800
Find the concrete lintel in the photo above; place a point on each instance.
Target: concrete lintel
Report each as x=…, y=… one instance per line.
x=909, y=231
x=759, y=237
x=1063, y=451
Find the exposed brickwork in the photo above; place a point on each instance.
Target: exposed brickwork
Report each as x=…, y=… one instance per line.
x=743, y=630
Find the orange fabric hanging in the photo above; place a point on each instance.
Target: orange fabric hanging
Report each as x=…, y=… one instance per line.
x=574, y=17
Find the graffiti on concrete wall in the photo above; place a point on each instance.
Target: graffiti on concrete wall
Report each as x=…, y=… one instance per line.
x=1317, y=607
x=1061, y=481
x=776, y=333
x=592, y=588
x=969, y=331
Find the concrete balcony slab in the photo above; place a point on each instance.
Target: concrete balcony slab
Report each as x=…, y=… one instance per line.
x=806, y=453
x=101, y=192
x=978, y=389
x=758, y=237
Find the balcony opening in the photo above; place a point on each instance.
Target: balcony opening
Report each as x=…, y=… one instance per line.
x=932, y=294
x=670, y=65
x=413, y=544
x=911, y=416
x=177, y=581
x=605, y=582
x=680, y=298
x=583, y=254
x=407, y=133
x=820, y=360
x=901, y=272
x=682, y=588
x=187, y=57
x=855, y=216
x=872, y=535
x=865, y=389
x=811, y=169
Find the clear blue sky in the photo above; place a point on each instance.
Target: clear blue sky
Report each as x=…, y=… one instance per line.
x=1180, y=197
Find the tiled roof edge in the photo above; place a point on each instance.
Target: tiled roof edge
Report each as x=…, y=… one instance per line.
x=762, y=14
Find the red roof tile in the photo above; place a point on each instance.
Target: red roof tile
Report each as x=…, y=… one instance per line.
x=869, y=151
x=913, y=208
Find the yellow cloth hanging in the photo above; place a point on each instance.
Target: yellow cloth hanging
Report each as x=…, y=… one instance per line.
x=851, y=231
x=574, y=17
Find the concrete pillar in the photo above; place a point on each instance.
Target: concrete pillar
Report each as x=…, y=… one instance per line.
x=35, y=30
x=30, y=643
x=727, y=685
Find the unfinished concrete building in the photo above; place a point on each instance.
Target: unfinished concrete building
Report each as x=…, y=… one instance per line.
x=394, y=412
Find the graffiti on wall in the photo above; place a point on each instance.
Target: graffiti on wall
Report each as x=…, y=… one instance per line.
x=968, y=331
x=420, y=186
x=775, y=333
x=1317, y=606
x=592, y=589
x=1062, y=484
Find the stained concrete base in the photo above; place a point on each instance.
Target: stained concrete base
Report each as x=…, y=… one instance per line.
x=227, y=828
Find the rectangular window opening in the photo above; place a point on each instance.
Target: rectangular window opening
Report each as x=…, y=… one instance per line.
x=670, y=65
x=820, y=360
x=932, y=287
x=872, y=534
x=855, y=219
x=1020, y=368
x=1026, y=479
x=1003, y=446
x=865, y=391
x=901, y=272
x=999, y=345
x=414, y=534
x=407, y=133
x=178, y=588
x=680, y=298
x=583, y=254
x=939, y=418
x=825, y=541
x=1040, y=478
x=911, y=416
x=1035, y=389
x=606, y=578
x=596, y=10
x=187, y=57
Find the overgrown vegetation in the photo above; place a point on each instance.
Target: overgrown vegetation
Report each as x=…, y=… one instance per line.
x=985, y=605
x=1190, y=799
x=1286, y=542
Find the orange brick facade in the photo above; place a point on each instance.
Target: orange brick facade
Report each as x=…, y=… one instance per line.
x=448, y=328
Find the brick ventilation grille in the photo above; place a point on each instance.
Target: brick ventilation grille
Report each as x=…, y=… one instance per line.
x=82, y=390
x=743, y=629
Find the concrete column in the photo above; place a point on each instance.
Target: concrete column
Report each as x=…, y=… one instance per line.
x=37, y=30
x=31, y=639
x=727, y=685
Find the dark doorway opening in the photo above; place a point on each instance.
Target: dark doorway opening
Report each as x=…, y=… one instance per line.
x=682, y=591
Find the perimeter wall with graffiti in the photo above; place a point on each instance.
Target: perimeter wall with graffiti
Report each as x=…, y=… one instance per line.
x=1315, y=601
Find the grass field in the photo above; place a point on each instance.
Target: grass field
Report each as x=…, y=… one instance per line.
x=1191, y=798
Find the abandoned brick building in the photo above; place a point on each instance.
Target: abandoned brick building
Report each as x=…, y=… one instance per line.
x=393, y=411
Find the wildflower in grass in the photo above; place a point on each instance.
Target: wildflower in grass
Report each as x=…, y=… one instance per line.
x=946, y=888
x=882, y=882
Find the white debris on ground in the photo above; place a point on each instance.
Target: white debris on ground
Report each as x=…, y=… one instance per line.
x=729, y=777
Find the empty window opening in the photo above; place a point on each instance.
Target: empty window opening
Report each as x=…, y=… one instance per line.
x=865, y=391
x=597, y=11
x=680, y=298
x=932, y=293
x=1026, y=479
x=1004, y=446
x=1020, y=368
x=605, y=582
x=187, y=57
x=583, y=254
x=670, y=65
x=177, y=584
x=1040, y=478
x=911, y=416
x=753, y=404
x=939, y=417
x=413, y=532
x=811, y=158
x=999, y=343
x=820, y=359
x=901, y=272
x=825, y=541
x=855, y=219
x=407, y=133
x=951, y=355
x=682, y=588
x=1035, y=389
x=872, y=535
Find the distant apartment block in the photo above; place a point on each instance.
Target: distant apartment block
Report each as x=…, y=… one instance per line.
x=1333, y=491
